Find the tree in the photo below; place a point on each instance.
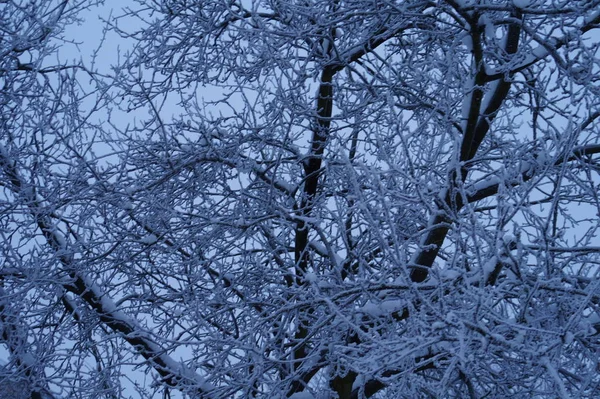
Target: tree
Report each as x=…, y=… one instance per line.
x=322, y=199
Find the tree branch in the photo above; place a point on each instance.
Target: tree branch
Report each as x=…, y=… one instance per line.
x=174, y=374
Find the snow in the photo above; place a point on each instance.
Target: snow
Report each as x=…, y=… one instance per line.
x=438, y=325
x=466, y=105
x=589, y=325
x=467, y=41
x=324, y=47
x=451, y=318
x=311, y=277
x=383, y=308
x=484, y=184
x=423, y=241
x=58, y=237
x=323, y=251
x=569, y=338
x=521, y=3
x=448, y=274
x=149, y=239
x=509, y=239
x=302, y=395
x=203, y=141
x=464, y=3
x=151, y=348
x=219, y=132
x=554, y=374
x=525, y=167
x=594, y=16
x=485, y=103
x=489, y=267
x=126, y=205
x=273, y=126
x=489, y=28
x=538, y=52
x=28, y=359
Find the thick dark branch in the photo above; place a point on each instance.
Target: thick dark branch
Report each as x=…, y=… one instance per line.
x=312, y=167
x=498, y=96
x=476, y=129
x=475, y=98
x=492, y=189
x=441, y=223
x=549, y=47
x=172, y=373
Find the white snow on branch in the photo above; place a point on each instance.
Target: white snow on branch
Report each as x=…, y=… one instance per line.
x=302, y=395
x=149, y=239
x=521, y=3
x=382, y=308
x=554, y=374
x=98, y=300
x=550, y=45
x=120, y=322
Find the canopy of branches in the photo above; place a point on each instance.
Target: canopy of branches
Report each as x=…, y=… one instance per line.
x=300, y=199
